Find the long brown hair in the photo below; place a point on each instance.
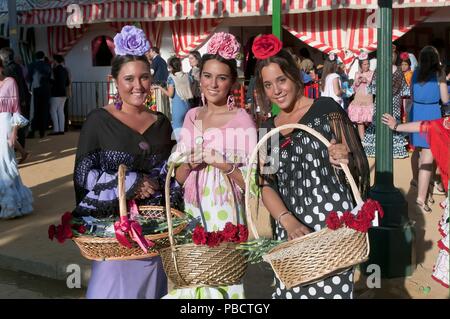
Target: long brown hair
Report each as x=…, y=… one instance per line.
x=328, y=68
x=287, y=65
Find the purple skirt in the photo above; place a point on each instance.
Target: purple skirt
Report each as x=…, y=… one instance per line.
x=127, y=279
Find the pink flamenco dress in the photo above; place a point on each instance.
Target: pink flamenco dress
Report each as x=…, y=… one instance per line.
x=360, y=109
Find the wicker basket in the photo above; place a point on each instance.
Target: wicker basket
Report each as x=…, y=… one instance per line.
x=193, y=265
x=317, y=255
x=99, y=248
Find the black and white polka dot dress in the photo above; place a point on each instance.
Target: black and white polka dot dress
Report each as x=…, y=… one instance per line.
x=310, y=188
x=399, y=89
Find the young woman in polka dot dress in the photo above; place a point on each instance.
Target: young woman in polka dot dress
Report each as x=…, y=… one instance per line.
x=307, y=184
x=221, y=139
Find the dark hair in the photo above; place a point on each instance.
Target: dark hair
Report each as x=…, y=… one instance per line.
x=1, y=63
x=231, y=64
x=405, y=60
x=6, y=55
x=197, y=56
x=305, y=53
x=429, y=64
x=361, y=61
x=328, y=68
x=39, y=55
x=58, y=58
x=287, y=65
x=175, y=63
x=119, y=60
x=155, y=49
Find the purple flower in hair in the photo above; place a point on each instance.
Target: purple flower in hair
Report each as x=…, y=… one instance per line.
x=132, y=41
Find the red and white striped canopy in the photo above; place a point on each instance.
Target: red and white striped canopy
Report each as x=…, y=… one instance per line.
x=170, y=10
x=347, y=32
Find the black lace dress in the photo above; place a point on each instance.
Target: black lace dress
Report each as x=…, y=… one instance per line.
x=311, y=188
x=105, y=143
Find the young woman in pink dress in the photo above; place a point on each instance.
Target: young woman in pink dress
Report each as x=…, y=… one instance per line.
x=360, y=110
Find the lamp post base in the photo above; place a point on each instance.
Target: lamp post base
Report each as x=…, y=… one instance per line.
x=391, y=248
x=391, y=244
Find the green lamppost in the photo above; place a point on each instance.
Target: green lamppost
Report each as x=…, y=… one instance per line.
x=391, y=242
x=12, y=23
x=277, y=30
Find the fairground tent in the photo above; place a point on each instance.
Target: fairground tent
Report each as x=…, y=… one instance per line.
x=345, y=26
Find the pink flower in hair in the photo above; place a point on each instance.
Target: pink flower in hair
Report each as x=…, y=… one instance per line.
x=224, y=44
x=363, y=56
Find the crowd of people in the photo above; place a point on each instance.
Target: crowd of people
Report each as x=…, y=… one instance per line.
x=202, y=120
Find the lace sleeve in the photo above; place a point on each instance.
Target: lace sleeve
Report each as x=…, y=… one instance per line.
x=346, y=133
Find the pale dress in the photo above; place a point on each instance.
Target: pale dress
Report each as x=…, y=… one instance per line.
x=208, y=196
x=15, y=198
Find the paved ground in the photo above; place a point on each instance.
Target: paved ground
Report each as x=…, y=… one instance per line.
x=24, y=245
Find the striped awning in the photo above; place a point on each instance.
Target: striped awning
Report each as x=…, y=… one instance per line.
x=170, y=10
x=347, y=32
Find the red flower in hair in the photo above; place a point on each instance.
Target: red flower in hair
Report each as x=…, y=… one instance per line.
x=404, y=56
x=266, y=46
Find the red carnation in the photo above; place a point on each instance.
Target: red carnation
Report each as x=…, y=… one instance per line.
x=243, y=233
x=199, y=237
x=214, y=239
x=51, y=231
x=230, y=232
x=349, y=220
x=66, y=218
x=59, y=234
x=81, y=229
x=333, y=221
x=67, y=231
x=266, y=46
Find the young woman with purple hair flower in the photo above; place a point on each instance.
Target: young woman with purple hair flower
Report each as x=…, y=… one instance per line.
x=125, y=132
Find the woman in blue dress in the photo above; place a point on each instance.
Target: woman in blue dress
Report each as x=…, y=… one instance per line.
x=179, y=91
x=428, y=89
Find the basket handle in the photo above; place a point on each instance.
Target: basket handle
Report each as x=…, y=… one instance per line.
x=121, y=190
x=253, y=157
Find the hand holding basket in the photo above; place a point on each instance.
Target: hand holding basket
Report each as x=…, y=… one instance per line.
x=121, y=248
x=317, y=255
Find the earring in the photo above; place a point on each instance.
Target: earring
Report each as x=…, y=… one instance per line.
x=117, y=101
x=203, y=100
x=230, y=102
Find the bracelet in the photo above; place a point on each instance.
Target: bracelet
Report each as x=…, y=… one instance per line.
x=281, y=215
x=231, y=170
x=395, y=127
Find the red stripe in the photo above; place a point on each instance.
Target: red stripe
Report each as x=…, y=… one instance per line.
x=320, y=17
x=192, y=11
x=185, y=7
x=360, y=26
x=208, y=8
x=249, y=6
x=339, y=28
x=330, y=33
